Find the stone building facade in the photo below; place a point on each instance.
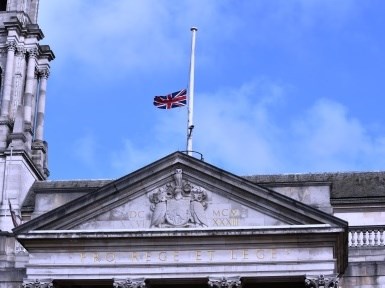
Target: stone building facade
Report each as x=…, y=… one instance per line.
x=176, y=222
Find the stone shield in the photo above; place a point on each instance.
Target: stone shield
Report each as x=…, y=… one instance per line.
x=178, y=211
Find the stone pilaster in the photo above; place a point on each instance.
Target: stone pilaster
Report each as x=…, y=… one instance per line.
x=41, y=104
x=19, y=78
x=8, y=79
x=129, y=283
x=28, y=97
x=39, y=146
x=321, y=282
x=29, y=84
x=225, y=282
x=37, y=283
x=5, y=124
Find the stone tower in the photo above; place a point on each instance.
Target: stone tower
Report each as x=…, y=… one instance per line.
x=24, y=69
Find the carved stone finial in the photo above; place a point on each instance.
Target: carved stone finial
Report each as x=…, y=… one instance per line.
x=129, y=283
x=37, y=284
x=178, y=183
x=321, y=282
x=225, y=282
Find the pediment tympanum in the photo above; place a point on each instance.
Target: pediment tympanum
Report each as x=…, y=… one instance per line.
x=179, y=191
x=179, y=204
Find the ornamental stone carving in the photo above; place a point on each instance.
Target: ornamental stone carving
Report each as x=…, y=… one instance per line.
x=32, y=52
x=179, y=204
x=37, y=284
x=20, y=51
x=129, y=283
x=225, y=282
x=321, y=282
x=11, y=46
x=43, y=73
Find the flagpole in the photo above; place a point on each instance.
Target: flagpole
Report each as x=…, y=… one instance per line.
x=190, y=125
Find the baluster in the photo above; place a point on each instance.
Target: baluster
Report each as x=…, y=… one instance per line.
x=378, y=237
x=359, y=238
x=350, y=238
x=370, y=238
x=363, y=238
x=375, y=238
x=366, y=237
x=356, y=238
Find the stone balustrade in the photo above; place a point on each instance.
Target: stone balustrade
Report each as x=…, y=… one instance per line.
x=366, y=236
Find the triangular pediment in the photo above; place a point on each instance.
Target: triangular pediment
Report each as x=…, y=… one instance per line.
x=179, y=191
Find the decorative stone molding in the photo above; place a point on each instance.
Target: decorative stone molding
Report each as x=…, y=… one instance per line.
x=225, y=282
x=32, y=52
x=39, y=145
x=129, y=283
x=18, y=136
x=37, y=284
x=321, y=282
x=6, y=122
x=21, y=51
x=43, y=73
x=11, y=46
x=179, y=204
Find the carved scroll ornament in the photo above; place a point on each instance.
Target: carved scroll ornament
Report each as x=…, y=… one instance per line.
x=321, y=282
x=129, y=283
x=37, y=284
x=225, y=282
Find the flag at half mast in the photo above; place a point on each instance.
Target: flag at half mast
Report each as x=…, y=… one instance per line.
x=173, y=100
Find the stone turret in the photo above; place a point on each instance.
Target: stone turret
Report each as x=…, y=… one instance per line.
x=24, y=70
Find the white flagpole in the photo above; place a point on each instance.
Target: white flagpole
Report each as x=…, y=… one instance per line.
x=190, y=125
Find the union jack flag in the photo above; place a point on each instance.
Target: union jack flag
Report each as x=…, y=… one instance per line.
x=173, y=100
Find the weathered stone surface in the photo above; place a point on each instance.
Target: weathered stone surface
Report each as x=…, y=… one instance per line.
x=364, y=187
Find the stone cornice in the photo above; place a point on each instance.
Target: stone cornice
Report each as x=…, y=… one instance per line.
x=46, y=52
x=30, y=30
x=180, y=232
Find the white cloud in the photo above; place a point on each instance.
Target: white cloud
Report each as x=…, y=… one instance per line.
x=240, y=130
x=125, y=35
x=85, y=150
x=235, y=127
x=116, y=37
x=328, y=138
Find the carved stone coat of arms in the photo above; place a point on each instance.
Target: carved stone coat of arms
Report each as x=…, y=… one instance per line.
x=179, y=204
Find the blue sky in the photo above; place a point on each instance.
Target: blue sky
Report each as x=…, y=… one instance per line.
x=281, y=86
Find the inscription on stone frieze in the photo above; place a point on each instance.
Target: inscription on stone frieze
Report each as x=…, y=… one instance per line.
x=247, y=255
